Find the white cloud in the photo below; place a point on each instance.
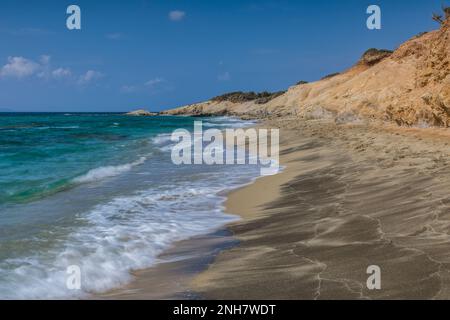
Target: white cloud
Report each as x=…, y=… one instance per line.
x=61, y=73
x=89, y=76
x=177, y=15
x=19, y=67
x=226, y=76
x=44, y=67
x=45, y=59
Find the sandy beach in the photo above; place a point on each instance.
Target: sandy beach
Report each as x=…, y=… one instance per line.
x=351, y=196
x=225, y=151
x=365, y=184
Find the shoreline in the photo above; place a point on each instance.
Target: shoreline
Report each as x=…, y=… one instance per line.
x=349, y=196
x=170, y=278
x=182, y=262
x=186, y=270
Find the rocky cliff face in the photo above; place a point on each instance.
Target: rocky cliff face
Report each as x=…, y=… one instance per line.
x=410, y=86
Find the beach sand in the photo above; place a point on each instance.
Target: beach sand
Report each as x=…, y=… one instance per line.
x=356, y=192
x=350, y=196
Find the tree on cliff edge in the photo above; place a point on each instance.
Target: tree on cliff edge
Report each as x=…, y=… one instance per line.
x=438, y=18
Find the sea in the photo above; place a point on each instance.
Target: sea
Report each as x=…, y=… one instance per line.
x=96, y=195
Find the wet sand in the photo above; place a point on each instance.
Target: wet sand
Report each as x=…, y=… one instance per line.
x=169, y=279
x=351, y=196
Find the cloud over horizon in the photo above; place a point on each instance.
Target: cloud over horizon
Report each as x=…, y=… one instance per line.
x=19, y=68
x=61, y=73
x=89, y=76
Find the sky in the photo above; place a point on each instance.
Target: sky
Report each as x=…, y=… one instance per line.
x=162, y=54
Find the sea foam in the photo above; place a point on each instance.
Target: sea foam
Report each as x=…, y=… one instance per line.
x=125, y=234
x=108, y=171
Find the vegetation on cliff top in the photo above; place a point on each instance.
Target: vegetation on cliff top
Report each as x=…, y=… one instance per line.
x=373, y=56
x=331, y=75
x=239, y=97
x=438, y=18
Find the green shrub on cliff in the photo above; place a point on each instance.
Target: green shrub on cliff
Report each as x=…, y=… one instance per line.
x=240, y=97
x=331, y=75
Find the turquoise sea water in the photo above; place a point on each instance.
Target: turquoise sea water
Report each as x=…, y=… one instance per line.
x=99, y=191
x=44, y=153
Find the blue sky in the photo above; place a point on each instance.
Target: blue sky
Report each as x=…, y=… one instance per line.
x=161, y=54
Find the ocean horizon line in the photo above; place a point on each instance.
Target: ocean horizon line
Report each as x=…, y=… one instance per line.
x=69, y=112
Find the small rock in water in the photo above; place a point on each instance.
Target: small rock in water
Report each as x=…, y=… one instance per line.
x=141, y=112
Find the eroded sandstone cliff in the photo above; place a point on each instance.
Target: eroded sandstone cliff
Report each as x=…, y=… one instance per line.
x=410, y=86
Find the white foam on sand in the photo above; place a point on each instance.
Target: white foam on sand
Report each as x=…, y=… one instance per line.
x=126, y=234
